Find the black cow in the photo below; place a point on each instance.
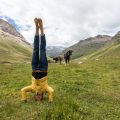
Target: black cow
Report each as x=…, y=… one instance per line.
x=67, y=56
x=59, y=58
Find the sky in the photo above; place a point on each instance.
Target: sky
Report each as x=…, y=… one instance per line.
x=65, y=21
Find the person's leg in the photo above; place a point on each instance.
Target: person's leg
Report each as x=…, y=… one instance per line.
x=43, y=63
x=35, y=57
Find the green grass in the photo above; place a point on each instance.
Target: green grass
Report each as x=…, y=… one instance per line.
x=13, y=52
x=90, y=91
x=113, y=50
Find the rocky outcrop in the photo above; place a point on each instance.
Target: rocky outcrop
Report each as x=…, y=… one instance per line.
x=8, y=28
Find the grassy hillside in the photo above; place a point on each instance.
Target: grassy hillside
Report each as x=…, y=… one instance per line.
x=109, y=51
x=112, y=51
x=89, y=91
x=88, y=46
x=12, y=51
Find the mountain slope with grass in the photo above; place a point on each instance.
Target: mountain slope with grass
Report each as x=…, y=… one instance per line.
x=8, y=28
x=88, y=46
x=109, y=53
x=111, y=50
x=13, y=46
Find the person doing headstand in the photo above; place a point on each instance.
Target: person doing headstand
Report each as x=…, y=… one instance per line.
x=39, y=67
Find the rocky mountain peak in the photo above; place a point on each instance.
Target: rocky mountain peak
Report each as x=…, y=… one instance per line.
x=8, y=28
x=103, y=36
x=98, y=38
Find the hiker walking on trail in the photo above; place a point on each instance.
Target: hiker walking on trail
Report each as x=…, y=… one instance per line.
x=39, y=67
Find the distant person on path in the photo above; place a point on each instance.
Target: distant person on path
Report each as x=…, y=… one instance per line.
x=39, y=67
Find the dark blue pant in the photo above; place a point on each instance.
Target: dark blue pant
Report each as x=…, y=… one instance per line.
x=39, y=58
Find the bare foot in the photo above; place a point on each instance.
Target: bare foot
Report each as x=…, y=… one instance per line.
x=40, y=23
x=36, y=22
x=37, y=26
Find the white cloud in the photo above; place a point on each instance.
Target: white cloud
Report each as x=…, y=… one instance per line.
x=66, y=21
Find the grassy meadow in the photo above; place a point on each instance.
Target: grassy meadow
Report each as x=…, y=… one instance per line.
x=88, y=91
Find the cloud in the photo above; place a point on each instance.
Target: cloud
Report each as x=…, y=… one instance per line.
x=65, y=21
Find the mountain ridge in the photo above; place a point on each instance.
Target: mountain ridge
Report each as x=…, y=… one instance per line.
x=8, y=28
x=13, y=46
x=92, y=44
